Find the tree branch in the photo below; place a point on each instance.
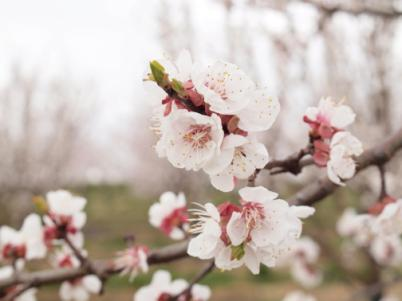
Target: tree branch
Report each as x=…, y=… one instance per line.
x=376, y=155
x=311, y=194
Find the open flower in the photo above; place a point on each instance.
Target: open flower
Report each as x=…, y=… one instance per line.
x=65, y=217
x=27, y=243
x=189, y=140
x=341, y=165
x=163, y=288
x=225, y=87
x=78, y=289
x=258, y=231
x=132, y=260
x=329, y=117
x=170, y=215
x=239, y=158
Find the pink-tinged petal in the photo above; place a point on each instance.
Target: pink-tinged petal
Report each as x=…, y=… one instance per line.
x=236, y=229
x=257, y=194
x=212, y=211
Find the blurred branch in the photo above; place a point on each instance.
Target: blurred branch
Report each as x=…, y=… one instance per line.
x=355, y=8
x=105, y=268
x=311, y=194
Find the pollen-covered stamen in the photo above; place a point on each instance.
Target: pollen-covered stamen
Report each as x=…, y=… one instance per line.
x=198, y=135
x=198, y=219
x=253, y=214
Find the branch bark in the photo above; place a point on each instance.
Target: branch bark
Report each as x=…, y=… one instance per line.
x=311, y=194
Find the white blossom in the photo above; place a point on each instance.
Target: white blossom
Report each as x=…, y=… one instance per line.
x=132, y=261
x=356, y=226
x=258, y=231
x=389, y=222
x=239, y=158
x=27, y=243
x=170, y=215
x=80, y=289
x=387, y=250
x=330, y=114
x=189, y=140
x=341, y=165
x=65, y=212
x=162, y=286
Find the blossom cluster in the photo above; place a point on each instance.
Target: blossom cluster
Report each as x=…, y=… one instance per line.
x=379, y=231
x=333, y=146
x=162, y=287
x=62, y=221
x=207, y=118
x=261, y=229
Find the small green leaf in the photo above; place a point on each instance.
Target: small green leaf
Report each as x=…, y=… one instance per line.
x=158, y=72
x=40, y=204
x=237, y=252
x=177, y=86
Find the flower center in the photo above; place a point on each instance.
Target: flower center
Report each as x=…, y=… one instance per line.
x=253, y=214
x=198, y=135
x=177, y=218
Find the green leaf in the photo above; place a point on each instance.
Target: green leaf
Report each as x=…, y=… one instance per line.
x=177, y=86
x=237, y=252
x=158, y=71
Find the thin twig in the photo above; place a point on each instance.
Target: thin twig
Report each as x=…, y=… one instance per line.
x=203, y=273
x=383, y=189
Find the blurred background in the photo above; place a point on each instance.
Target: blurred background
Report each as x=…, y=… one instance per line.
x=73, y=113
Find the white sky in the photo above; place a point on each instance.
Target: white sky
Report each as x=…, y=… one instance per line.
x=103, y=41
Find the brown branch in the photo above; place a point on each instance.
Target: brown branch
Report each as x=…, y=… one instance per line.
x=376, y=155
x=293, y=163
x=311, y=194
x=104, y=268
x=201, y=275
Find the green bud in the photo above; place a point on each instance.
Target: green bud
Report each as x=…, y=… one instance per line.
x=237, y=252
x=158, y=72
x=177, y=86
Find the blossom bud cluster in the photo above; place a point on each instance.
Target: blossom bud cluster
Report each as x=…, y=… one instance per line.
x=379, y=231
x=333, y=147
x=206, y=118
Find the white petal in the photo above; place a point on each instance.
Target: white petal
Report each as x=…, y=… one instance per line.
x=236, y=229
x=223, y=182
x=92, y=284
x=261, y=112
x=251, y=261
x=257, y=194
